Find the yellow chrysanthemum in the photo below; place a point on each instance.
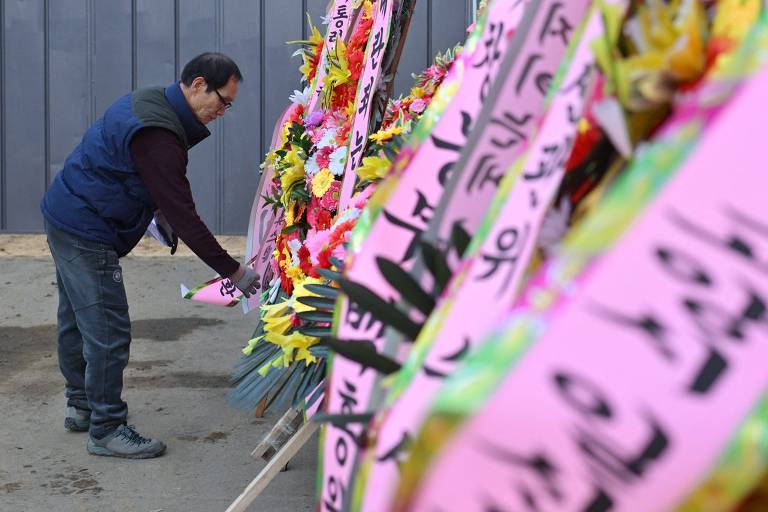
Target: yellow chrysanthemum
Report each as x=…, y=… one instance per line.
x=350, y=111
x=373, y=168
x=322, y=182
x=417, y=92
x=383, y=136
x=289, y=216
x=286, y=262
x=295, y=347
x=285, y=133
x=299, y=291
x=734, y=18
x=294, y=273
x=276, y=317
x=671, y=40
x=269, y=160
x=292, y=173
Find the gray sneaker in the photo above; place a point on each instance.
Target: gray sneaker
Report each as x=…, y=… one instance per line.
x=77, y=420
x=125, y=442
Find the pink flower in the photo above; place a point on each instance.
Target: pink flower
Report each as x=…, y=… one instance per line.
x=418, y=105
x=323, y=157
x=340, y=252
x=318, y=217
x=316, y=135
x=315, y=242
x=330, y=199
x=313, y=119
x=361, y=199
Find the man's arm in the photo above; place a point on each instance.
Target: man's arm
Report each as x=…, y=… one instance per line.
x=160, y=160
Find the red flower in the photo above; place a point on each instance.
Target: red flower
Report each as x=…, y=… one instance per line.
x=318, y=217
x=297, y=114
x=285, y=282
x=316, y=60
x=305, y=263
x=322, y=259
x=323, y=219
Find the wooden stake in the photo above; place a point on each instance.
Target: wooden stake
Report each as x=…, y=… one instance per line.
x=260, y=408
x=273, y=467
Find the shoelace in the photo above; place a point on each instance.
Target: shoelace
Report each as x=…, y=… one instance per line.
x=129, y=433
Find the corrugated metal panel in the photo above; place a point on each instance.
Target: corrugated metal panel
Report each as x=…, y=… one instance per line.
x=415, y=57
x=63, y=62
x=240, y=129
x=24, y=112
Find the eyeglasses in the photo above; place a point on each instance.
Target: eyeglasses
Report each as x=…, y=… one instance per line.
x=227, y=104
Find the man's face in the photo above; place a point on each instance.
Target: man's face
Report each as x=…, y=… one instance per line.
x=207, y=106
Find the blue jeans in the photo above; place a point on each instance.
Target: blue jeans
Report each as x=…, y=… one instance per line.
x=93, y=329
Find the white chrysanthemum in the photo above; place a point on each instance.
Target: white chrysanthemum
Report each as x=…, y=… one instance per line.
x=337, y=160
x=310, y=166
x=294, y=245
x=300, y=97
x=328, y=139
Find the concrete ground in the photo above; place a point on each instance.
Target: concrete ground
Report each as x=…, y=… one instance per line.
x=175, y=385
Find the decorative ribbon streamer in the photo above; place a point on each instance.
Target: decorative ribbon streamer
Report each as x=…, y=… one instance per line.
x=366, y=89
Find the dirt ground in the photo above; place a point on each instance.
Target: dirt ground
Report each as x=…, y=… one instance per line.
x=176, y=387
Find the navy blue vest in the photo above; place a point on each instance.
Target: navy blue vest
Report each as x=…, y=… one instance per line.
x=98, y=195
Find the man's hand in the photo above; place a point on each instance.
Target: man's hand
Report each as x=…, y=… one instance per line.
x=246, y=280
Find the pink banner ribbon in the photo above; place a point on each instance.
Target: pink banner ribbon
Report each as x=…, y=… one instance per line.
x=338, y=28
x=609, y=412
x=366, y=89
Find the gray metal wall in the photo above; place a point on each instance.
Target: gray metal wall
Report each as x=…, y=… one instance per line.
x=62, y=62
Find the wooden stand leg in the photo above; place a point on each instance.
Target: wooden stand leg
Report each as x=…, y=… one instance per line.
x=273, y=467
x=260, y=408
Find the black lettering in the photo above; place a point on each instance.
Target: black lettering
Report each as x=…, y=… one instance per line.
x=556, y=25
x=510, y=243
x=646, y=323
x=513, y=125
x=583, y=396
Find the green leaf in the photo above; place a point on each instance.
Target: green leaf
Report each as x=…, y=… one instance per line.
x=317, y=332
x=315, y=316
x=318, y=302
x=460, y=238
x=380, y=309
x=328, y=274
x=362, y=352
x=323, y=290
x=290, y=229
x=337, y=263
x=436, y=264
x=342, y=419
x=390, y=152
x=408, y=287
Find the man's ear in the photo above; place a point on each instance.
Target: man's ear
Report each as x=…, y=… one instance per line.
x=199, y=84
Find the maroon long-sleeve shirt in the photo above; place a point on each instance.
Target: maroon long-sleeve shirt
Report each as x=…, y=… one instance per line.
x=161, y=161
